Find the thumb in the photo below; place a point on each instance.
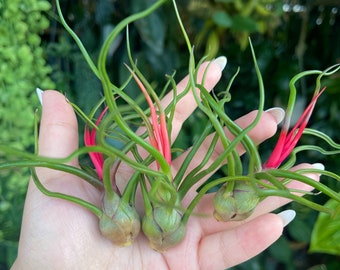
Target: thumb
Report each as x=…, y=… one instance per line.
x=58, y=136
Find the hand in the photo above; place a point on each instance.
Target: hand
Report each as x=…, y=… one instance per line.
x=58, y=234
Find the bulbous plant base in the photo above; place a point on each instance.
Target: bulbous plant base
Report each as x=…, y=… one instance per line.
x=236, y=204
x=119, y=222
x=163, y=227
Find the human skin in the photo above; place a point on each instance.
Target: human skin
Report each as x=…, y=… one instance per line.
x=58, y=234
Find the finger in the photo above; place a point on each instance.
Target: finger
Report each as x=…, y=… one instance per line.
x=210, y=225
x=211, y=72
x=228, y=248
x=58, y=135
x=274, y=202
x=58, y=138
x=265, y=128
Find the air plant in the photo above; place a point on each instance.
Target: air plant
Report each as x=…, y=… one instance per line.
x=164, y=219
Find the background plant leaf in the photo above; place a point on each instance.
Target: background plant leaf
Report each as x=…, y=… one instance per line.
x=326, y=231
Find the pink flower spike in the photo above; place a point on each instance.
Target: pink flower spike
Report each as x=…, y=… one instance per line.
x=159, y=137
x=289, y=139
x=90, y=140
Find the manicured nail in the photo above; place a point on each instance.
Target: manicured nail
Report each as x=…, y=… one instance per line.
x=39, y=94
x=287, y=216
x=318, y=166
x=221, y=62
x=278, y=113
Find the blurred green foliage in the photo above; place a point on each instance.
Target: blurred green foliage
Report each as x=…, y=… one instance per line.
x=23, y=67
x=326, y=233
x=288, y=35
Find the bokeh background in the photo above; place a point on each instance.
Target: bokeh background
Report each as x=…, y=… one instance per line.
x=289, y=36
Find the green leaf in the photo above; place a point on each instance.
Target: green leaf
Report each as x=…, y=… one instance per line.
x=300, y=230
x=43, y=5
x=326, y=231
x=281, y=250
x=225, y=1
x=151, y=28
x=222, y=19
x=241, y=23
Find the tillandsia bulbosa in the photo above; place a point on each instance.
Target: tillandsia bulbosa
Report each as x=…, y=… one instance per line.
x=163, y=220
x=235, y=203
x=145, y=147
x=236, y=200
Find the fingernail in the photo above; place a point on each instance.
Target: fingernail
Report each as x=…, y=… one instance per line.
x=278, y=113
x=287, y=216
x=221, y=62
x=39, y=94
x=318, y=166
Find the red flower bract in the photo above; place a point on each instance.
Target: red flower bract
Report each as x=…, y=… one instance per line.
x=90, y=140
x=159, y=137
x=288, y=139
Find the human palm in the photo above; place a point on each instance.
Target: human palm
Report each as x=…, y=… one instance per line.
x=58, y=234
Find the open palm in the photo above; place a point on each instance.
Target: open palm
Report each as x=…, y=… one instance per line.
x=57, y=234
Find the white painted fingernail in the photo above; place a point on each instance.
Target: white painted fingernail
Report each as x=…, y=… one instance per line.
x=278, y=113
x=39, y=94
x=287, y=216
x=221, y=62
x=318, y=166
